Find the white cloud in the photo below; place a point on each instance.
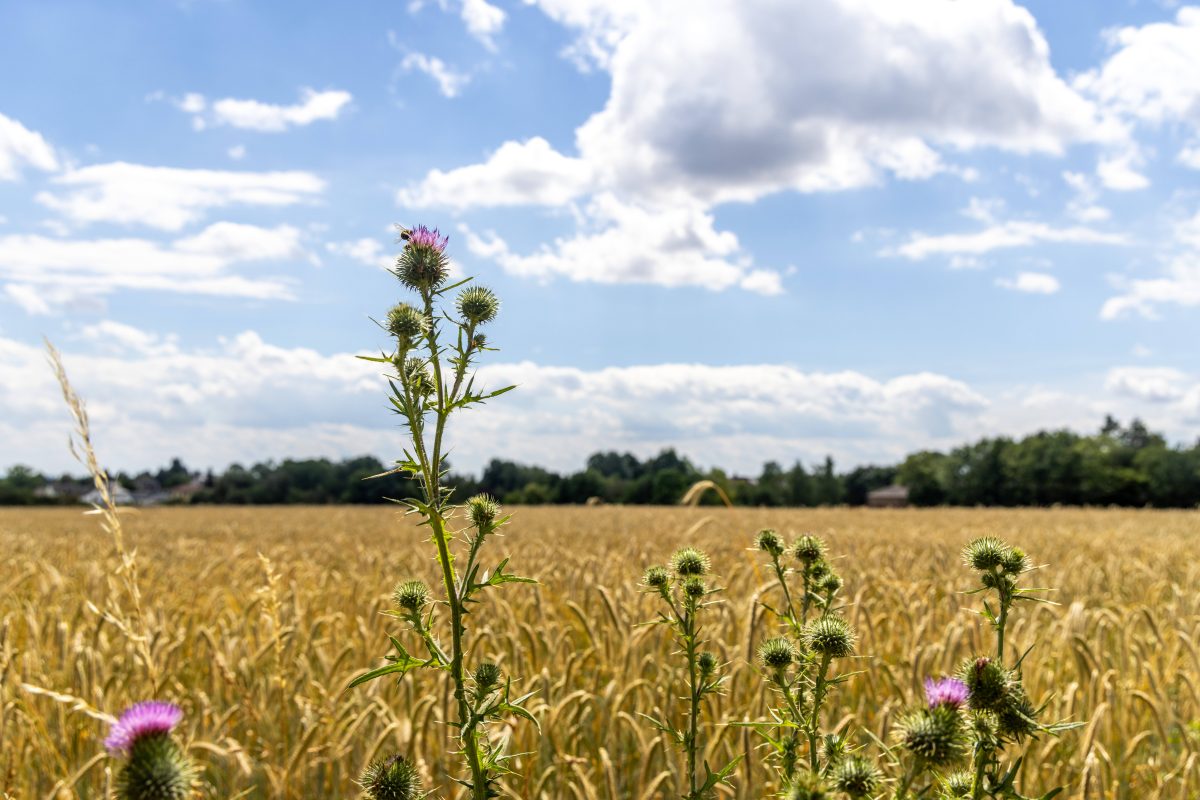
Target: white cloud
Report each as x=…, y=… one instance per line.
x=263, y=117
x=1153, y=384
x=1119, y=172
x=21, y=147
x=518, y=173
x=1154, y=72
x=483, y=21
x=366, y=250
x=167, y=197
x=1031, y=283
x=43, y=273
x=449, y=81
x=632, y=244
x=237, y=152
x=1016, y=233
x=1179, y=283
x=1083, y=206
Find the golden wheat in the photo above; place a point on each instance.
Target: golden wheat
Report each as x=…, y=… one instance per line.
x=258, y=618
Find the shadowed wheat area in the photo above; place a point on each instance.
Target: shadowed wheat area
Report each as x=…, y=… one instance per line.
x=259, y=652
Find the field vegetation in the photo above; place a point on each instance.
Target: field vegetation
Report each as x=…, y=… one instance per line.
x=258, y=619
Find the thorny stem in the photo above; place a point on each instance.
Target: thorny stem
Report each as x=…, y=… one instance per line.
x=818, y=699
x=689, y=636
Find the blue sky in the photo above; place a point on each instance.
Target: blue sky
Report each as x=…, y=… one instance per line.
x=749, y=229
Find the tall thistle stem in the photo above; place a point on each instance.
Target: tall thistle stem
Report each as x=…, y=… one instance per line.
x=424, y=388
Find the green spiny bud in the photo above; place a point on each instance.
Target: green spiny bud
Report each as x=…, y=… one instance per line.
x=1016, y=717
x=934, y=735
x=657, y=577
x=695, y=587
x=959, y=784
x=808, y=549
x=407, y=324
x=807, y=786
x=817, y=570
x=157, y=770
x=988, y=684
x=487, y=675
x=830, y=636
x=411, y=595
x=689, y=561
x=478, y=305
x=769, y=542
x=483, y=510
x=1015, y=561
x=985, y=730
x=856, y=777
x=985, y=553
x=777, y=654
x=391, y=778
x=415, y=373
x=707, y=662
x=830, y=583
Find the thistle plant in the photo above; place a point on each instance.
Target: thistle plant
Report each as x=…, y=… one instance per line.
x=683, y=588
x=155, y=767
x=431, y=380
x=801, y=667
x=959, y=740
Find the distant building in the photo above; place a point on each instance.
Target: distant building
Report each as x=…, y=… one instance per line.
x=888, y=497
x=120, y=495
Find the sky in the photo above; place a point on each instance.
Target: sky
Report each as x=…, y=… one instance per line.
x=746, y=229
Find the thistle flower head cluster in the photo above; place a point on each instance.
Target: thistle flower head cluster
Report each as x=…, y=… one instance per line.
x=407, y=323
x=391, y=778
x=156, y=768
x=989, y=554
x=423, y=265
x=808, y=549
x=483, y=511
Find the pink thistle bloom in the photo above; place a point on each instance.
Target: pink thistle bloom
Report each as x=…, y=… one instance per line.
x=148, y=718
x=421, y=236
x=945, y=692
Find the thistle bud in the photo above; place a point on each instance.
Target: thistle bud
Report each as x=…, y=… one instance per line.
x=987, y=683
x=985, y=553
x=695, y=588
x=817, y=570
x=707, y=663
x=807, y=786
x=407, y=324
x=934, y=735
x=423, y=265
x=157, y=768
x=1016, y=718
x=391, y=778
x=415, y=374
x=808, y=549
x=411, y=595
x=958, y=784
x=689, y=561
x=479, y=341
x=769, y=542
x=856, y=777
x=830, y=636
x=1015, y=562
x=830, y=584
x=483, y=510
x=487, y=675
x=657, y=577
x=478, y=305
x=777, y=654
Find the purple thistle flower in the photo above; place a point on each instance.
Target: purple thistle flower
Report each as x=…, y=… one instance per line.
x=139, y=720
x=421, y=236
x=945, y=692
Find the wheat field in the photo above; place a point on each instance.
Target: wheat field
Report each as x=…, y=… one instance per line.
x=259, y=651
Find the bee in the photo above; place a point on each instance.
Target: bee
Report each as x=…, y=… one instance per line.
x=405, y=233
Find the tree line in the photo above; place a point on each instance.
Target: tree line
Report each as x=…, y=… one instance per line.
x=1125, y=466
